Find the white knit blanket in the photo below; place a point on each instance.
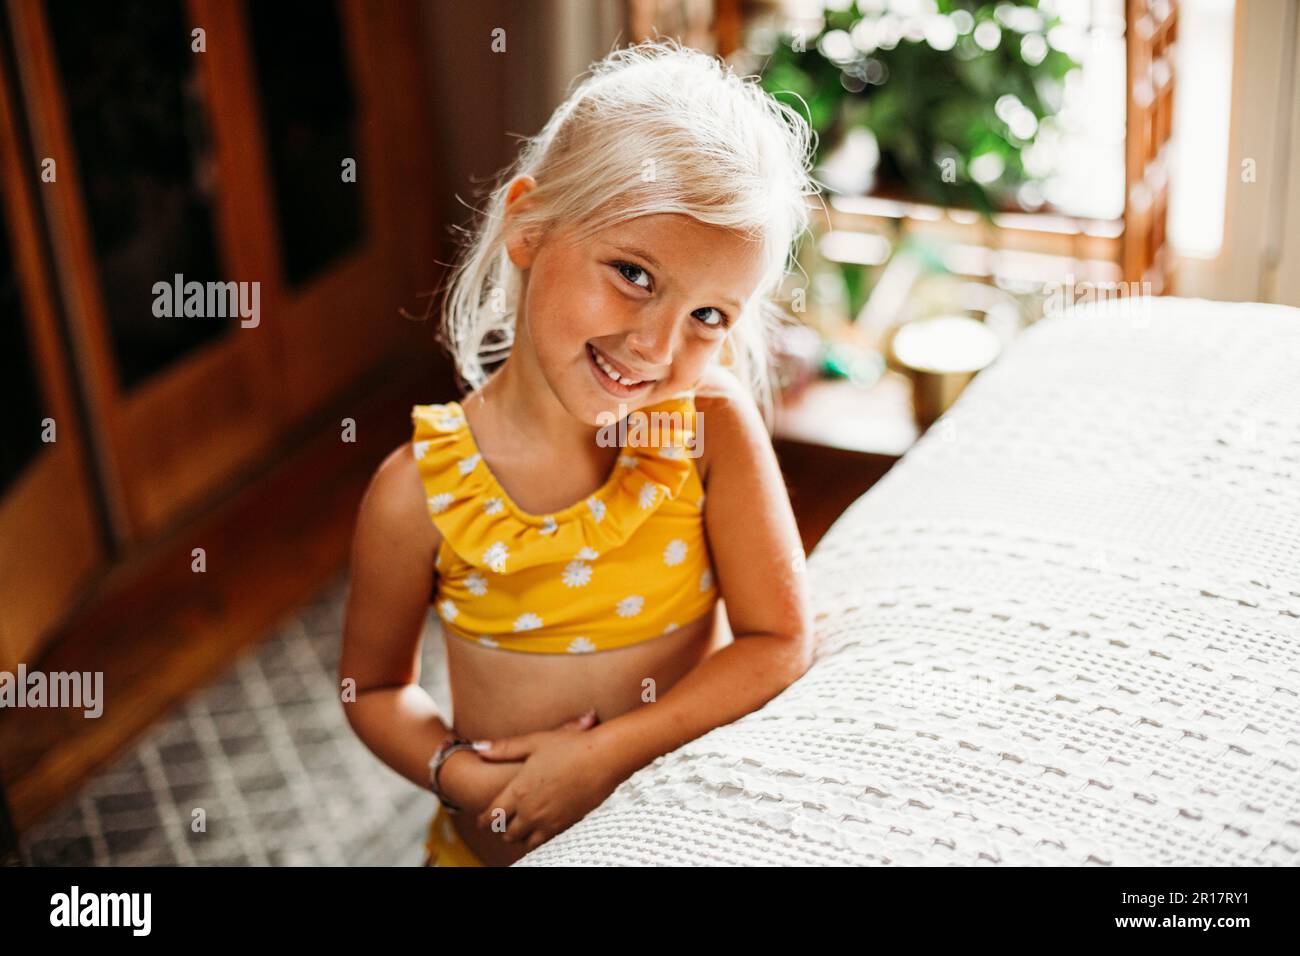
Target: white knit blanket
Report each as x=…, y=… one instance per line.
x=1064, y=630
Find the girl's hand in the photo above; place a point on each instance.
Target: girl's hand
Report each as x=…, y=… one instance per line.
x=564, y=776
x=470, y=782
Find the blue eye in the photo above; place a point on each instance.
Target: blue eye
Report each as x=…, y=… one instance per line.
x=620, y=266
x=722, y=322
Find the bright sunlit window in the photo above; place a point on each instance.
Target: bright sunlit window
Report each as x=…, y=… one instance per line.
x=1079, y=153
x=1202, y=102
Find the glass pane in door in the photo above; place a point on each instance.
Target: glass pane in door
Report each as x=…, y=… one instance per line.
x=140, y=131
x=308, y=116
x=20, y=425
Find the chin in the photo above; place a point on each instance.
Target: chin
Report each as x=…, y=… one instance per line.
x=598, y=411
x=588, y=406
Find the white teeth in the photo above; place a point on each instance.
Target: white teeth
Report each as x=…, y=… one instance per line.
x=608, y=370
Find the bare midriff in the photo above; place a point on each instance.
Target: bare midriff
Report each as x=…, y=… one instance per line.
x=498, y=693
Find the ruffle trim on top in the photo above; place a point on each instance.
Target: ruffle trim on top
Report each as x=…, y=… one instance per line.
x=488, y=530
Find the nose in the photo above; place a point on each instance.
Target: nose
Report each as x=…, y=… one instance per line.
x=652, y=343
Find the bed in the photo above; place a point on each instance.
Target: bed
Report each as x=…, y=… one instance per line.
x=1063, y=630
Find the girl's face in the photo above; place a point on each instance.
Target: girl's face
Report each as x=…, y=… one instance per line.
x=650, y=300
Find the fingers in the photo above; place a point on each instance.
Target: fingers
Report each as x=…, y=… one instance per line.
x=499, y=810
x=501, y=817
x=507, y=748
x=517, y=748
x=521, y=829
x=581, y=722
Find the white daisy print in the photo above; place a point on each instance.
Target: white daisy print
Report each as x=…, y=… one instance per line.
x=467, y=465
x=446, y=419
x=576, y=574
x=627, y=461
x=495, y=556
x=439, y=503
x=548, y=526
x=630, y=606
x=587, y=554
x=493, y=506
x=597, y=507
x=487, y=641
x=580, y=645
x=527, y=622
x=420, y=447
x=675, y=553
x=706, y=580
x=671, y=451
x=449, y=610
x=649, y=493
x=476, y=584
x=672, y=626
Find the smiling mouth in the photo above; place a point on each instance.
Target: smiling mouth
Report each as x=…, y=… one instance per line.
x=612, y=374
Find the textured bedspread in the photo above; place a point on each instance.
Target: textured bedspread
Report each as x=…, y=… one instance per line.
x=1064, y=630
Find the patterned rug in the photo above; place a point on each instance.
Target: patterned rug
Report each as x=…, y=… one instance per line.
x=267, y=753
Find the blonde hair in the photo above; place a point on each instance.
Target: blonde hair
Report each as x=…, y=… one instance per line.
x=717, y=148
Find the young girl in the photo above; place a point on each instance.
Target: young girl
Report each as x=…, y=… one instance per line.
x=623, y=270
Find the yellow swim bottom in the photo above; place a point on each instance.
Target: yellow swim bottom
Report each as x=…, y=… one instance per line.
x=444, y=845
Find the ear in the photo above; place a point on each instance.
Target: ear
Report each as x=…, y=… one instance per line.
x=520, y=242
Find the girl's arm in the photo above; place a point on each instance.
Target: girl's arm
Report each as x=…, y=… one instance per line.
x=392, y=575
x=388, y=598
x=759, y=564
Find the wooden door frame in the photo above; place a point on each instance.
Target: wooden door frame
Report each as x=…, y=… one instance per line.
x=48, y=522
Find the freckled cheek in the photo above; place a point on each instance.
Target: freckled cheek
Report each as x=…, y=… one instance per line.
x=599, y=313
x=692, y=362
x=565, y=314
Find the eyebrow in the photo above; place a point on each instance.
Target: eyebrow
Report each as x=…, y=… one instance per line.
x=633, y=250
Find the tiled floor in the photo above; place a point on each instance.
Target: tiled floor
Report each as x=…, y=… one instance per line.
x=268, y=757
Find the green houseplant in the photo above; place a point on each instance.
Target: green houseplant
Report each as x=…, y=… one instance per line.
x=953, y=91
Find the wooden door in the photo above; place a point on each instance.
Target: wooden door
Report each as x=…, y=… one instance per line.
x=212, y=140
x=50, y=540
x=146, y=187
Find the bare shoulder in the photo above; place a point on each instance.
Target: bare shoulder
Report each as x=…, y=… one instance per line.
x=395, y=505
x=727, y=418
x=392, y=572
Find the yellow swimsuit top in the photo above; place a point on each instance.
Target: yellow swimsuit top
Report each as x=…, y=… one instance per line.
x=626, y=564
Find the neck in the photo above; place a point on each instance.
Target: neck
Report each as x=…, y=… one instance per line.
x=520, y=401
